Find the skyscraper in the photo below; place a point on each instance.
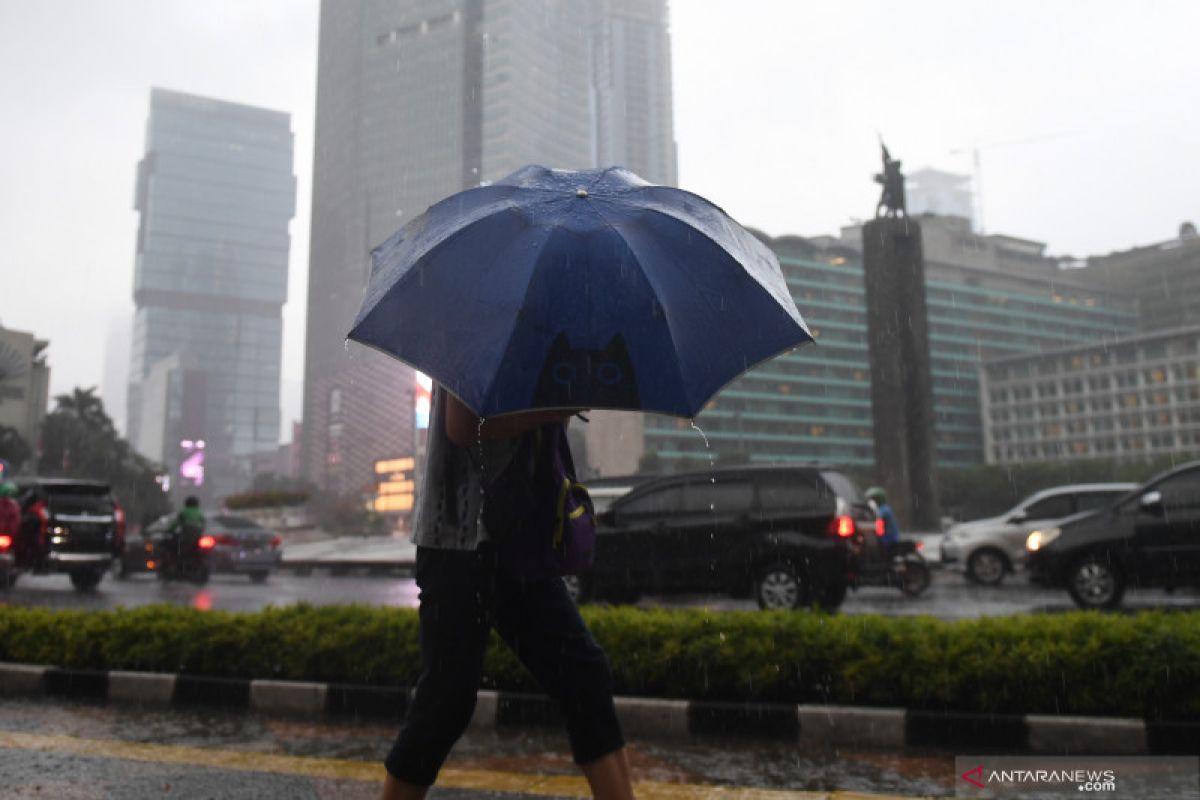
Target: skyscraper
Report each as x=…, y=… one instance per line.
x=215, y=193
x=418, y=99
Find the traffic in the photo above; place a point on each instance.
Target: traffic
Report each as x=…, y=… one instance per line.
x=771, y=536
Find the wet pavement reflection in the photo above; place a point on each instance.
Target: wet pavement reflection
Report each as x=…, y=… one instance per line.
x=745, y=763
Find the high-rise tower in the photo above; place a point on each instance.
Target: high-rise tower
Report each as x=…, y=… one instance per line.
x=215, y=193
x=418, y=99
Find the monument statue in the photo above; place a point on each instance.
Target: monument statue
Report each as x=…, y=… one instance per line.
x=891, y=200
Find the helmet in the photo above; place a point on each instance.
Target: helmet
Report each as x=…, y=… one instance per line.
x=877, y=494
x=8, y=489
x=192, y=502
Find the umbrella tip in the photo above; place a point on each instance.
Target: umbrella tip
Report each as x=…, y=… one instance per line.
x=581, y=192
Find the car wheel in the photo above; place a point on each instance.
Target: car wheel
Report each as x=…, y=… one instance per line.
x=84, y=580
x=779, y=587
x=916, y=577
x=987, y=566
x=259, y=576
x=1094, y=582
x=8, y=579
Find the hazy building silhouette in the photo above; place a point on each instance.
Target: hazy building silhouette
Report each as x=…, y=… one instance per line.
x=418, y=99
x=215, y=193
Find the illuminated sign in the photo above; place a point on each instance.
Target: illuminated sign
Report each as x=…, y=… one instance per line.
x=191, y=466
x=394, y=485
x=424, y=395
x=394, y=465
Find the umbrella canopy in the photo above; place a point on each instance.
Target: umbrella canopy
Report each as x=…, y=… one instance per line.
x=589, y=289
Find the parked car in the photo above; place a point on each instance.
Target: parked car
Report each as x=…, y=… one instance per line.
x=67, y=525
x=788, y=536
x=239, y=545
x=1149, y=537
x=988, y=549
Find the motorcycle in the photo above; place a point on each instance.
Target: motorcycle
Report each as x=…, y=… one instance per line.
x=899, y=565
x=183, y=556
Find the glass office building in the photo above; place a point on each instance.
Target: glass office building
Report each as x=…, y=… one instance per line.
x=215, y=194
x=418, y=99
x=814, y=404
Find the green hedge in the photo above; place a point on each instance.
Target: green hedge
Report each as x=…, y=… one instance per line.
x=1078, y=663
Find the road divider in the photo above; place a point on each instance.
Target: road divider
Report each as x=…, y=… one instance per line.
x=642, y=718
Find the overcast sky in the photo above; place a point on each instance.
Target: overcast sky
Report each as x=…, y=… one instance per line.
x=1084, y=113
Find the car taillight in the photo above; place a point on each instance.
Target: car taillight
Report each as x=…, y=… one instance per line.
x=879, y=527
x=43, y=515
x=5, y=542
x=276, y=541
x=843, y=526
x=119, y=520
x=206, y=543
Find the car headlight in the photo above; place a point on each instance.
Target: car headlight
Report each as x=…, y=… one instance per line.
x=1039, y=539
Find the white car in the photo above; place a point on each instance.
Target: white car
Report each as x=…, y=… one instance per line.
x=988, y=549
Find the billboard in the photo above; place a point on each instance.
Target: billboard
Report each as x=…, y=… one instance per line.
x=394, y=485
x=191, y=462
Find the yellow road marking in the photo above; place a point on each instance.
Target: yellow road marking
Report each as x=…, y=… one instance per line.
x=346, y=769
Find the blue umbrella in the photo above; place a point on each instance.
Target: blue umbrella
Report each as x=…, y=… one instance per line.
x=590, y=289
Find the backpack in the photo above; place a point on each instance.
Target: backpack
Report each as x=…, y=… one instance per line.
x=541, y=518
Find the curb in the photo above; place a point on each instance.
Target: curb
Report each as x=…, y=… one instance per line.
x=648, y=718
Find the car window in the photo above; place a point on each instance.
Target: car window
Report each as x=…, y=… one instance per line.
x=1090, y=501
x=1051, y=507
x=668, y=499
x=728, y=496
x=79, y=498
x=235, y=523
x=1181, y=492
x=843, y=487
x=788, y=493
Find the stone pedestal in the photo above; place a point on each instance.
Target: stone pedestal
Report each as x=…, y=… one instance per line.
x=901, y=382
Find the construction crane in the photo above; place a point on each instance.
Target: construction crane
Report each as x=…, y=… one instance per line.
x=977, y=165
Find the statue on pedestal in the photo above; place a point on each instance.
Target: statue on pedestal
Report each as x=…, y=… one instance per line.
x=891, y=200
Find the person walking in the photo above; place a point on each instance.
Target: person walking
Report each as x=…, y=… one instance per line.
x=466, y=592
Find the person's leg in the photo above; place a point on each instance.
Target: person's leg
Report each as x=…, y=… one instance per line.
x=538, y=620
x=455, y=590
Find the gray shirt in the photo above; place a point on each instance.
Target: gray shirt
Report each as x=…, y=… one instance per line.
x=450, y=505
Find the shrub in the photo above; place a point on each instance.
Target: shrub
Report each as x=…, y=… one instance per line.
x=1146, y=664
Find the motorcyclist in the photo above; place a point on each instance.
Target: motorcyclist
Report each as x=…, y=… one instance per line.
x=183, y=535
x=10, y=513
x=891, y=529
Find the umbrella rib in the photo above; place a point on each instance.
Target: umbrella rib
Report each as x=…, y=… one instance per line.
x=595, y=207
x=791, y=301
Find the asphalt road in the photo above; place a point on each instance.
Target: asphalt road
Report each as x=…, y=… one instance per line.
x=949, y=597
x=73, y=750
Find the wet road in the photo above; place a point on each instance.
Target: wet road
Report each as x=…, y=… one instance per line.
x=74, y=750
x=950, y=597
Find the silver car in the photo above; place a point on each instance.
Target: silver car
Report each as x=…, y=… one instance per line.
x=988, y=549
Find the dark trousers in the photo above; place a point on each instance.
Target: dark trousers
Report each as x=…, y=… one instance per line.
x=464, y=594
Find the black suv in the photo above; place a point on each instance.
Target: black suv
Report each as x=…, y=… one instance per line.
x=67, y=525
x=789, y=536
x=1149, y=537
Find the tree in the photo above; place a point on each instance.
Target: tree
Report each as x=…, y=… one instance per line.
x=14, y=449
x=79, y=440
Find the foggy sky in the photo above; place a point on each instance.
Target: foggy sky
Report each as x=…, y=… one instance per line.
x=1084, y=113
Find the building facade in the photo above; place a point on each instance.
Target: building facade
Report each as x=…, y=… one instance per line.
x=1130, y=399
x=215, y=194
x=986, y=297
x=24, y=383
x=418, y=99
